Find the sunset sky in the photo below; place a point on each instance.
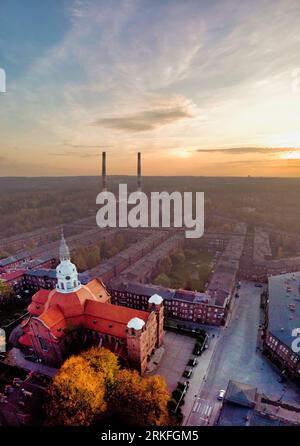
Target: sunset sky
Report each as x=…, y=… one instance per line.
x=200, y=87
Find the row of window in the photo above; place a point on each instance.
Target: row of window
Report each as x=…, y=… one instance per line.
x=273, y=343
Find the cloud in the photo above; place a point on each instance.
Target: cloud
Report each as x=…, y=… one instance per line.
x=74, y=154
x=221, y=63
x=145, y=120
x=87, y=146
x=247, y=150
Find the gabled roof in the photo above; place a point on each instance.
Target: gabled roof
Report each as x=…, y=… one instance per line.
x=25, y=340
x=40, y=296
x=240, y=393
x=86, y=307
x=114, y=312
x=12, y=275
x=52, y=316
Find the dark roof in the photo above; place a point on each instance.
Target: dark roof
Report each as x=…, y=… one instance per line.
x=240, y=393
x=185, y=295
x=284, y=306
x=51, y=274
x=141, y=289
x=233, y=415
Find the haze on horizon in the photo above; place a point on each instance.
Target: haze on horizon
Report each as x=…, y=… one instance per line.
x=207, y=87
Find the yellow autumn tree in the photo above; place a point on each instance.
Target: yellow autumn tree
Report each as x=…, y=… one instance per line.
x=91, y=386
x=139, y=401
x=103, y=362
x=76, y=395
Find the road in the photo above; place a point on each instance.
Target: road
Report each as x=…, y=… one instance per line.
x=235, y=357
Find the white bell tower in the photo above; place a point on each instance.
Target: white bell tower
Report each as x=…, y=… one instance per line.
x=66, y=272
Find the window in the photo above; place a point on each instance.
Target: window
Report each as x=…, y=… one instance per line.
x=43, y=344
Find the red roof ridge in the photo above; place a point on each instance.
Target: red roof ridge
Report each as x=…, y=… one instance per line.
x=52, y=316
x=114, y=313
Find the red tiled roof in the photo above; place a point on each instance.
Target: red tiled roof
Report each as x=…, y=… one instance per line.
x=12, y=274
x=88, y=306
x=25, y=340
x=114, y=312
x=35, y=308
x=53, y=316
x=25, y=322
x=41, y=296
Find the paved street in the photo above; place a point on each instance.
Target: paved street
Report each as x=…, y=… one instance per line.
x=16, y=358
x=235, y=357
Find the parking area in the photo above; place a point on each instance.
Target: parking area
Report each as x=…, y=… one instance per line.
x=178, y=350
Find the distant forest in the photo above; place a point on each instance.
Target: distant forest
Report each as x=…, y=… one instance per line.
x=31, y=203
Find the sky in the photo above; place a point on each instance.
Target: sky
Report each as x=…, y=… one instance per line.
x=200, y=87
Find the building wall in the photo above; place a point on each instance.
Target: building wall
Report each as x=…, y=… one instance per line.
x=201, y=313
x=141, y=344
x=281, y=354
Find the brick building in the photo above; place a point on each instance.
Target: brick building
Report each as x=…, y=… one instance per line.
x=281, y=327
x=181, y=305
x=73, y=316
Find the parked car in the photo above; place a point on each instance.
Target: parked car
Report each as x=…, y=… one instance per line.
x=197, y=351
x=221, y=394
x=258, y=285
x=188, y=373
x=192, y=362
x=237, y=295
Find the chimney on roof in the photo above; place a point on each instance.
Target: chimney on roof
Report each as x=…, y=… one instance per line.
x=103, y=171
x=139, y=172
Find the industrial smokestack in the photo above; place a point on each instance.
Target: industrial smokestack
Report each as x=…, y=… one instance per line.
x=104, y=171
x=139, y=172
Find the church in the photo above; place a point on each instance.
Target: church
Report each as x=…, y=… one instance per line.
x=73, y=317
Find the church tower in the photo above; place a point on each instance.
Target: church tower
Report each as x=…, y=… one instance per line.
x=66, y=272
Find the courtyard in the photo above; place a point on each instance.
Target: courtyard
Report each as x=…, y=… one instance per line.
x=177, y=351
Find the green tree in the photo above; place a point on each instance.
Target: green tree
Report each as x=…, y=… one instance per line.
x=163, y=280
x=204, y=272
x=7, y=294
x=178, y=258
x=119, y=241
x=165, y=265
x=93, y=256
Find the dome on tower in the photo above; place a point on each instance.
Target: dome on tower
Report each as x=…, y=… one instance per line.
x=136, y=323
x=155, y=299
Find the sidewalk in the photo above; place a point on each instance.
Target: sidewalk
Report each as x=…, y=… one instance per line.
x=200, y=372
x=16, y=358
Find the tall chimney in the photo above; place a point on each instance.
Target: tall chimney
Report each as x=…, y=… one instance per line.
x=139, y=172
x=103, y=171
